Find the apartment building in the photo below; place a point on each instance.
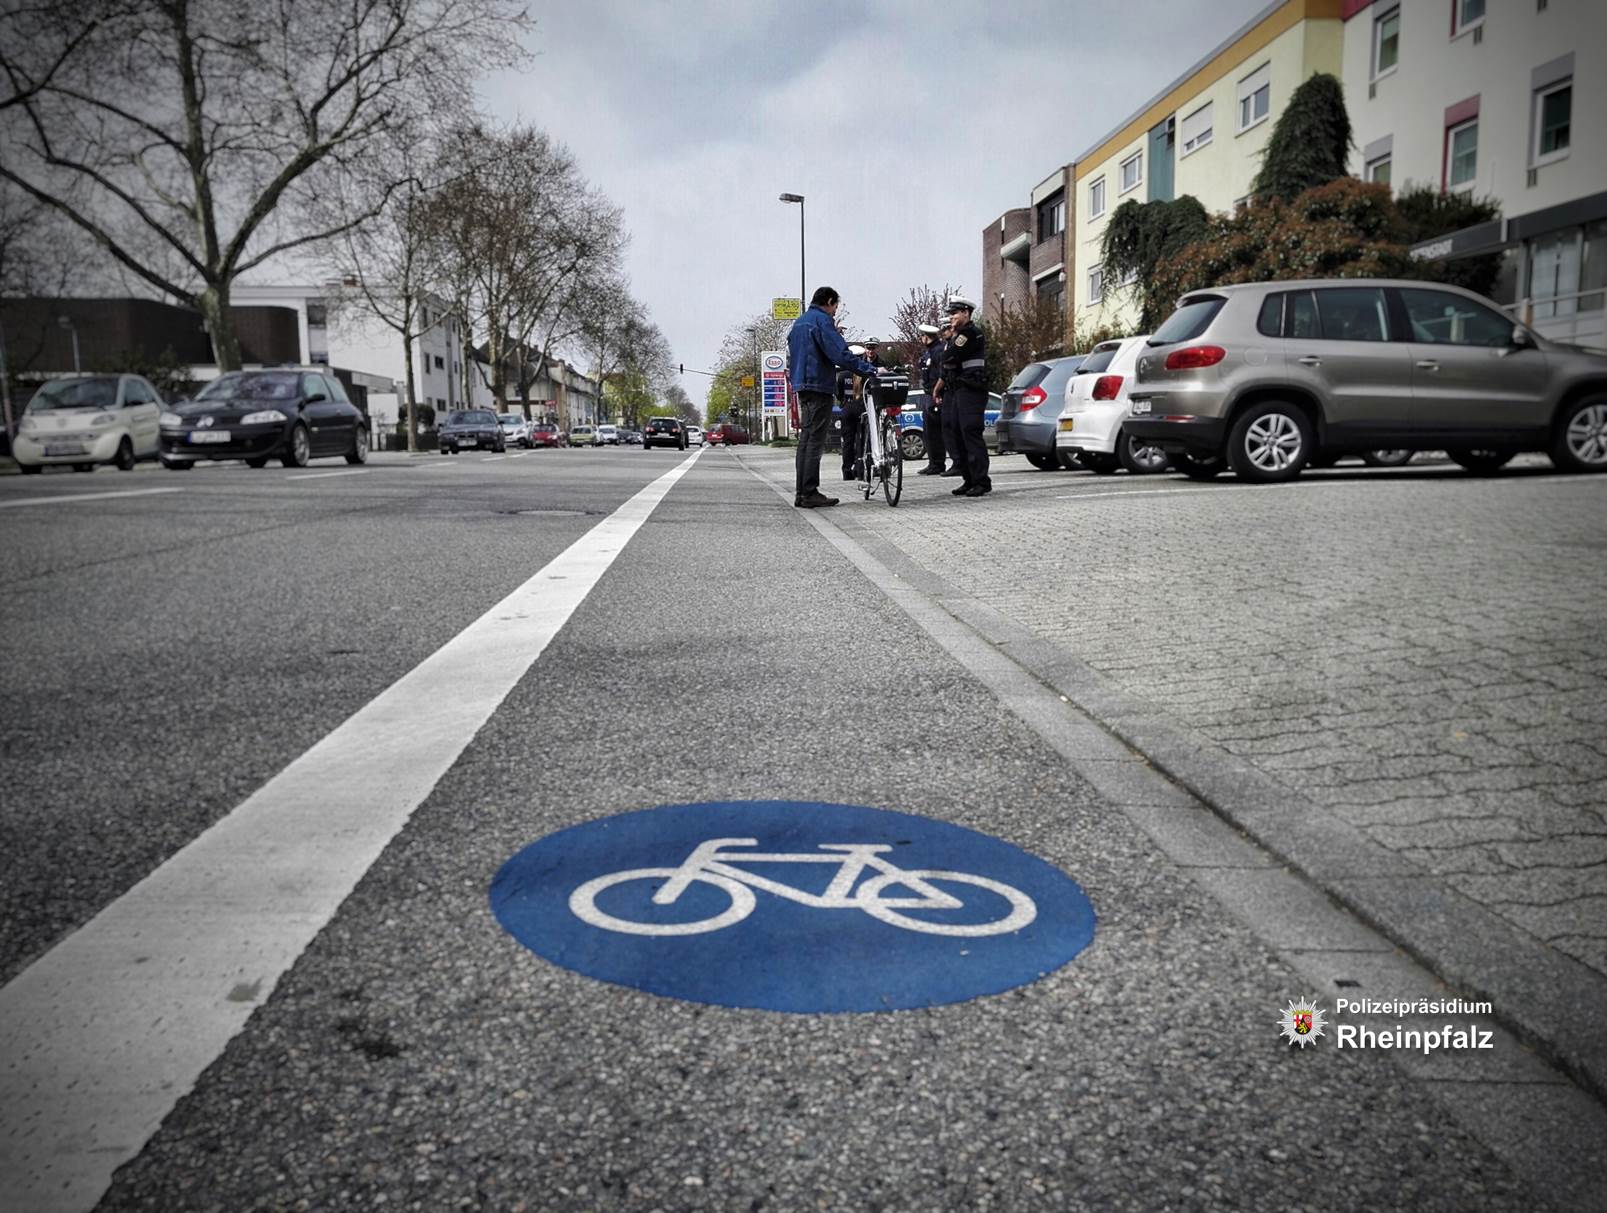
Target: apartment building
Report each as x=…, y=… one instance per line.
x=1480, y=95
x=1203, y=134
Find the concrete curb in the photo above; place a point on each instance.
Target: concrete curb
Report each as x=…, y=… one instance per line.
x=1550, y=1001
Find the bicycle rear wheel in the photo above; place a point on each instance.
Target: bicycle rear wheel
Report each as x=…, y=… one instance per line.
x=893, y=462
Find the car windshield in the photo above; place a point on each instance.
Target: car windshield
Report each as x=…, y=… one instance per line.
x=97, y=393
x=510, y=419
x=257, y=385
x=1059, y=373
x=1101, y=357
x=1189, y=321
x=471, y=417
x=1030, y=376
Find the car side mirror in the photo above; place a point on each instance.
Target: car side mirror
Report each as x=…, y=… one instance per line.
x=1522, y=338
x=317, y=398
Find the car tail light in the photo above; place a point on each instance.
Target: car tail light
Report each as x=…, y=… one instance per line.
x=1195, y=357
x=1032, y=398
x=1107, y=387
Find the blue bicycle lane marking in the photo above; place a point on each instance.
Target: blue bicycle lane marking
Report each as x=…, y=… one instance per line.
x=792, y=906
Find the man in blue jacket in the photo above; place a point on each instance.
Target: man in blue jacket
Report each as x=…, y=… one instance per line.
x=815, y=351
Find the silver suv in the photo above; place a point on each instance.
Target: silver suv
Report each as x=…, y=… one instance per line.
x=1268, y=377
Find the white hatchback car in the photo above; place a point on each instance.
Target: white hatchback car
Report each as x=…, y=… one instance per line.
x=1096, y=405
x=607, y=435
x=83, y=420
x=694, y=435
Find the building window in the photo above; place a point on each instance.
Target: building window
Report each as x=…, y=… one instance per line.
x=1132, y=172
x=1255, y=96
x=440, y=363
x=1096, y=198
x=1051, y=217
x=1096, y=284
x=1465, y=15
x=1052, y=290
x=1462, y=155
x=1386, y=42
x=317, y=314
x=1197, y=129
x=1553, y=118
x=1378, y=170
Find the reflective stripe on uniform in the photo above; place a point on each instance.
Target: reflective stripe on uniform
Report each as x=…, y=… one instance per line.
x=969, y=363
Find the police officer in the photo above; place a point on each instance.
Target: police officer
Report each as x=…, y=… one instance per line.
x=963, y=389
x=931, y=367
x=949, y=419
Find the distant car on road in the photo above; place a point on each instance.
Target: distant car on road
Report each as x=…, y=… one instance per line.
x=515, y=429
x=727, y=433
x=89, y=419
x=472, y=430
x=607, y=435
x=296, y=414
x=694, y=435
x=583, y=435
x=545, y=433
x=665, y=431
x=628, y=437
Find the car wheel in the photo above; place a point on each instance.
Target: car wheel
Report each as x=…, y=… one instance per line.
x=298, y=453
x=359, y=451
x=257, y=461
x=1482, y=462
x=1387, y=459
x=912, y=445
x=30, y=469
x=1269, y=443
x=1070, y=460
x=1140, y=458
x=1580, y=443
x=124, y=459
x=1199, y=467
x=1099, y=462
x=1044, y=463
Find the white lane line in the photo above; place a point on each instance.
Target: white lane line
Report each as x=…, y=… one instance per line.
x=110, y=1028
x=321, y=475
x=493, y=459
x=21, y=501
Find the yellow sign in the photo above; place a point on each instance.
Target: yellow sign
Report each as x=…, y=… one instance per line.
x=786, y=309
x=747, y=381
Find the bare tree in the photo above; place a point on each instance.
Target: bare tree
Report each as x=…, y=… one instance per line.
x=923, y=306
x=193, y=140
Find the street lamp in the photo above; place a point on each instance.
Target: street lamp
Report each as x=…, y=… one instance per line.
x=803, y=298
x=66, y=322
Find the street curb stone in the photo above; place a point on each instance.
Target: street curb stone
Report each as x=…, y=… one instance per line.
x=1550, y=1001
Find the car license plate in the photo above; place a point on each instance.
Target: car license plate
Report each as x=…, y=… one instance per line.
x=1066, y=423
x=55, y=451
x=210, y=436
x=1140, y=406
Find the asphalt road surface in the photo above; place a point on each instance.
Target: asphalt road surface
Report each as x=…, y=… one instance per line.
x=272, y=735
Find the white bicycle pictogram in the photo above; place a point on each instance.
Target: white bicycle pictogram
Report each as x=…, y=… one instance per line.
x=713, y=864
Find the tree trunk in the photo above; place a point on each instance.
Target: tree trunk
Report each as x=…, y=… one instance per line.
x=214, y=307
x=412, y=408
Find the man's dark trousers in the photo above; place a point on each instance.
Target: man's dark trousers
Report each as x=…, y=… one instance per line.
x=814, y=418
x=971, y=452
x=953, y=443
x=932, y=431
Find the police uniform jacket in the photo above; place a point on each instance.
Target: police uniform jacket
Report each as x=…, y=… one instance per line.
x=931, y=365
x=965, y=364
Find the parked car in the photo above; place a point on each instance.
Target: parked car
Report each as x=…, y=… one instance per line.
x=912, y=431
x=727, y=433
x=607, y=435
x=1031, y=409
x=545, y=433
x=515, y=430
x=1263, y=377
x=694, y=435
x=472, y=430
x=629, y=437
x=297, y=414
x=583, y=435
x=84, y=420
x=1093, y=414
x=665, y=431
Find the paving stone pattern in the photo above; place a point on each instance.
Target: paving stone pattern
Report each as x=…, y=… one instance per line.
x=1420, y=653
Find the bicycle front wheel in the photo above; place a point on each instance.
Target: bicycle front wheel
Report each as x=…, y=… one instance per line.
x=867, y=469
x=1020, y=910
x=893, y=465
x=583, y=904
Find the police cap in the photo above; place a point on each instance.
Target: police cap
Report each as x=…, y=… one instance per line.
x=959, y=303
x=931, y=330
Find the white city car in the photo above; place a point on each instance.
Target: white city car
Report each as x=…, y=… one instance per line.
x=83, y=420
x=1095, y=407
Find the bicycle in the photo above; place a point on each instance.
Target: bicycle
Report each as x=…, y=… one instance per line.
x=709, y=863
x=881, y=455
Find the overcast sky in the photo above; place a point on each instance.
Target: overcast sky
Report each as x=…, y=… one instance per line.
x=907, y=127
